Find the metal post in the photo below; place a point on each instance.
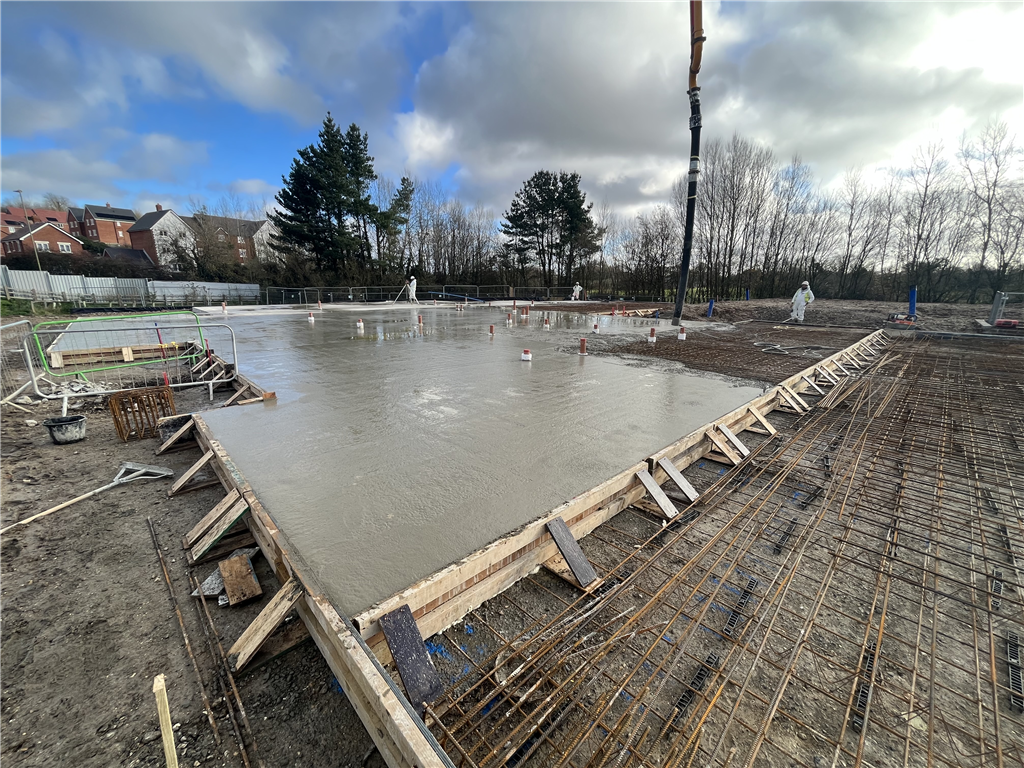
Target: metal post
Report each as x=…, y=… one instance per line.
x=913, y=301
x=696, y=49
x=31, y=234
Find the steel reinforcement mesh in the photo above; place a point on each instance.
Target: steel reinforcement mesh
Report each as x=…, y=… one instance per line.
x=850, y=594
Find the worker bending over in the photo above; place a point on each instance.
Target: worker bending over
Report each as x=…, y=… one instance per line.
x=803, y=297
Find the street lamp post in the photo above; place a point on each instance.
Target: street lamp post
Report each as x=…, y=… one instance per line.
x=31, y=234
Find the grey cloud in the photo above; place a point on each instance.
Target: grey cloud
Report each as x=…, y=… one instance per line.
x=161, y=157
x=63, y=171
x=601, y=89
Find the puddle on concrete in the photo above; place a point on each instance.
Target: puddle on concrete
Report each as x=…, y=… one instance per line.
x=392, y=453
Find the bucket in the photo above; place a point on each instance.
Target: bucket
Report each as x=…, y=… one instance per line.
x=66, y=429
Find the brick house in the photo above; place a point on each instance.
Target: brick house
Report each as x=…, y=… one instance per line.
x=20, y=217
x=107, y=225
x=75, y=218
x=158, y=232
x=49, y=238
x=245, y=238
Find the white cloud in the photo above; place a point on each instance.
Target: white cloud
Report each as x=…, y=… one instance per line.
x=427, y=143
x=252, y=188
x=601, y=88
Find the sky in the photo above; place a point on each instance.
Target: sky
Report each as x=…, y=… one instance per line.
x=138, y=103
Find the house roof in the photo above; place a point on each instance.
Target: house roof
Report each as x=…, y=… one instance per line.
x=148, y=220
x=129, y=254
x=77, y=213
x=232, y=227
x=38, y=215
x=24, y=232
x=115, y=214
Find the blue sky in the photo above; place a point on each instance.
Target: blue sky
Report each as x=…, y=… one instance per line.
x=138, y=103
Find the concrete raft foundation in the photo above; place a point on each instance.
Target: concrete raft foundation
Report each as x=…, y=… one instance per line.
x=446, y=596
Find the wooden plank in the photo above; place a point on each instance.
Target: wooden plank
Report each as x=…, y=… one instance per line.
x=238, y=393
x=800, y=400
x=210, y=518
x=288, y=637
x=813, y=386
x=422, y=685
x=723, y=449
x=184, y=430
x=737, y=443
x=56, y=360
x=668, y=509
x=240, y=582
x=790, y=401
x=218, y=529
x=375, y=698
x=164, y=713
x=225, y=546
x=677, y=478
x=558, y=566
x=570, y=549
x=841, y=368
x=190, y=473
x=262, y=627
x=762, y=421
x=127, y=355
x=826, y=375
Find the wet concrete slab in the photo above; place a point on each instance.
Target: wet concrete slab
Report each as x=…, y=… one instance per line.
x=392, y=453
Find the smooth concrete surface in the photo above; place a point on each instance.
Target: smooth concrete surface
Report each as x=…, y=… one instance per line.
x=393, y=452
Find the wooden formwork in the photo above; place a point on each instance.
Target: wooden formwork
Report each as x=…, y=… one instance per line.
x=355, y=649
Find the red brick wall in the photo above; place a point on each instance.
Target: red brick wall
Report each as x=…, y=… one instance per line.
x=107, y=231
x=144, y=241
x=46, y=235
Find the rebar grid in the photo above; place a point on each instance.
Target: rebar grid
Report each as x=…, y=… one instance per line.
x=832, y=604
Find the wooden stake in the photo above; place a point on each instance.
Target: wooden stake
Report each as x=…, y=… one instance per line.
x=166, y=731
x=190, y=473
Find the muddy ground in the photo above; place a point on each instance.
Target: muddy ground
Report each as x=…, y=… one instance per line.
x=862, y=314
x=86, y=619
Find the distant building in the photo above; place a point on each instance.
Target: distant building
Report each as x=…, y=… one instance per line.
x=248, y=239
x=107, y=225
x=162, y=232
x=25, y=216
x=158, y=233
x=49, y=238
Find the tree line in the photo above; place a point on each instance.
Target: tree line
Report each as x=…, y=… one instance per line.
x=951, y=223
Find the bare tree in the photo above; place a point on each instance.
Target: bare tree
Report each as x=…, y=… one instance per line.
x=988, y=163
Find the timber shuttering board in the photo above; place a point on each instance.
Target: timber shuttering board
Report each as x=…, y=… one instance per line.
x=443, y=598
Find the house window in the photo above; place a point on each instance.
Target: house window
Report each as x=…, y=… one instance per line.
x=220, y=237
x=241, y=253
x=42, y=246
x=64, y=247
x=241, y=239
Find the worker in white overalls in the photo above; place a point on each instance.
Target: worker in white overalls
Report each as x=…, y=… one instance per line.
x=412, y=290
x=576, y=291
x=803, y=297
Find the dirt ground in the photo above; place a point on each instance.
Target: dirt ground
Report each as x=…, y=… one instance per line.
x=87, y=622
x=958, y=318
x=86, y=619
